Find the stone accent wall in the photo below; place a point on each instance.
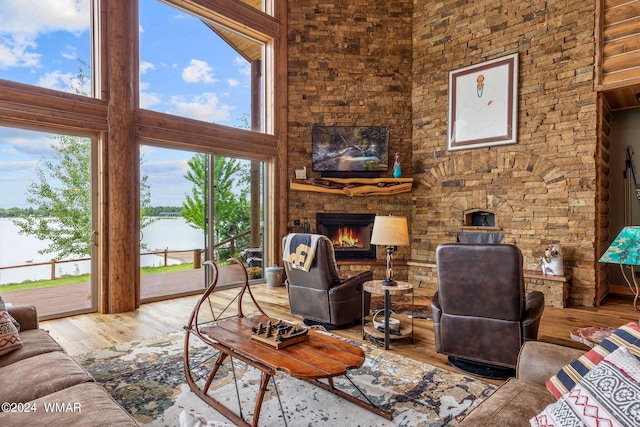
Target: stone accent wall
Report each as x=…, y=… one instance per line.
x=542, y=188
x=360, y=62
x=349, y=65
x=555, y=293
x=400, y=272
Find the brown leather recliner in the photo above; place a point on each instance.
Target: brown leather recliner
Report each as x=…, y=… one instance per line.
x=481, y=313
x=319, y=295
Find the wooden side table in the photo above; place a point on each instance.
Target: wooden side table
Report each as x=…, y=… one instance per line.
x=376, y=287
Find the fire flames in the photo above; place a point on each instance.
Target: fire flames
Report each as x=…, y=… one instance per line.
x=347, y=237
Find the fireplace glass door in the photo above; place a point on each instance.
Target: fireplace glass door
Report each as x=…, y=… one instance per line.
x=349, y=233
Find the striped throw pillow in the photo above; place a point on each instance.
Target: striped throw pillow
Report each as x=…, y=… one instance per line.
x=609, y=395
x=571, y=374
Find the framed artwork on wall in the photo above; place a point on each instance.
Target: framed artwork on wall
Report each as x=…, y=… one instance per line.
x=483, y=104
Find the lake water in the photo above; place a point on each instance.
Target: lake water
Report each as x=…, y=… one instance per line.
x=16, y=249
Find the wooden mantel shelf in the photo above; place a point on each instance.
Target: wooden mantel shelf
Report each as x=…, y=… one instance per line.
x=354, y=186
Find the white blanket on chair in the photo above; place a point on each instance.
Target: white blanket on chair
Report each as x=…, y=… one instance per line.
x=300, y=249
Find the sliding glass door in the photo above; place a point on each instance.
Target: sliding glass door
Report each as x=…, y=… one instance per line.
x=196, y=207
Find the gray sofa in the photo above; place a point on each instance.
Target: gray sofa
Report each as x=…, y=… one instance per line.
x=526, y=395
x=41, y=385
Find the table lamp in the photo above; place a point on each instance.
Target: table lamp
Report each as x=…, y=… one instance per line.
x=625, y=250
x=390, y=231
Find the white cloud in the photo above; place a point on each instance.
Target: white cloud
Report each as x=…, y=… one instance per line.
x=22, y=21
x=56, y=80
x=146, y=66
x=148, y=99
x=243, y=66
x=167, y=182
x=205, y=107
x=35, y=17
x=165, y=168
x=70, y=52
x=198, y=72
x=147, y=149
x=32, y=143
x=13, y=52
x=167, y=179
x=17, y=166
x=243, y=73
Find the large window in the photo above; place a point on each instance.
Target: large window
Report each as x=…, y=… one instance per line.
x=47, y=44
x=46, y=225
x=189, y=76
x=194, y=68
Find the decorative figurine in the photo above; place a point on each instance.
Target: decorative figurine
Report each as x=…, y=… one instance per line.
x=552, y=264
x=397, y=171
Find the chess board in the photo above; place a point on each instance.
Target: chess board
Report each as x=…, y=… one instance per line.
x=269, y=336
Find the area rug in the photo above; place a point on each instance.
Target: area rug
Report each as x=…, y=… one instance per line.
x=147, y=379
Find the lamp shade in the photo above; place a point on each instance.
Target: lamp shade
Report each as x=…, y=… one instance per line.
x=390, y=231
x=625, y=249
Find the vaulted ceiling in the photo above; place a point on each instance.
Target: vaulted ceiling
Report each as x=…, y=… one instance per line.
x=247, y=48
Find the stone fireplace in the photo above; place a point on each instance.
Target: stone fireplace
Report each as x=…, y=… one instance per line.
x=350, y=234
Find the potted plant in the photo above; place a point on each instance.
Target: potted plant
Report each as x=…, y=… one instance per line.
x=254, y=272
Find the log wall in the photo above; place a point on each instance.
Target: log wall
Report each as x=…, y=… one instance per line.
x=618, y=43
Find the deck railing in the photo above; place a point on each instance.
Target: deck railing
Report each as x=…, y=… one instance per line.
x=164, y=254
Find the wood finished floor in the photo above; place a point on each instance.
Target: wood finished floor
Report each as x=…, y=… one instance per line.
x=83, y=333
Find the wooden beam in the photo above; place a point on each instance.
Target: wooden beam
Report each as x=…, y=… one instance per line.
x=33, y=108
x=123, y=163
x=278, y=69
x=235, y=15
x=165, y=129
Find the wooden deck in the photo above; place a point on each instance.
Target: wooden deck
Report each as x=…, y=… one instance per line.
x=58, y=301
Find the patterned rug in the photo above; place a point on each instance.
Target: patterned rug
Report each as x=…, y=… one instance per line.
x=147, y=379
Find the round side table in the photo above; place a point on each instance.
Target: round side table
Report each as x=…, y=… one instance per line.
x=375, y=287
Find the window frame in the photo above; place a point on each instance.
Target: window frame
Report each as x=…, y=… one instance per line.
x=35, y=108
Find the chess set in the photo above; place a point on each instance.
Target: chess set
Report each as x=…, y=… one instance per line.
x=279, y=334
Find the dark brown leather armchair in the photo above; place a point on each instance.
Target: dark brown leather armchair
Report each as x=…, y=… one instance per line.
x=319, y=295
x=481, y=313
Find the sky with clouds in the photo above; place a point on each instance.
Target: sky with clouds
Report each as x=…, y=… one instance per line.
x=185, y=69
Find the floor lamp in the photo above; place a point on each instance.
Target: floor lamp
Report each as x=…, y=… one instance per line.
x=390, y=231
x=625, y=250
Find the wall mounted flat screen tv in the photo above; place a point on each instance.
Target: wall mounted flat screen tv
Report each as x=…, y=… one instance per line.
x=341, y=149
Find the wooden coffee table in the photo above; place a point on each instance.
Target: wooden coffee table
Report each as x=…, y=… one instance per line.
x=322, y=357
